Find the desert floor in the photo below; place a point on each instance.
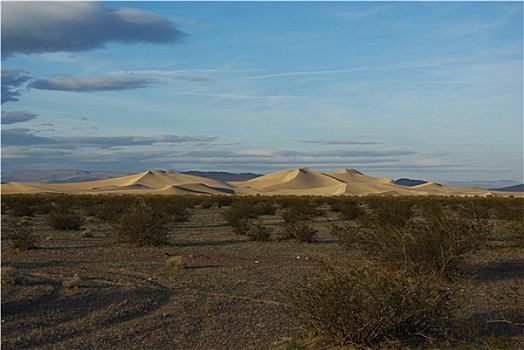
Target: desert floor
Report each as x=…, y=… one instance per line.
x=229, y=296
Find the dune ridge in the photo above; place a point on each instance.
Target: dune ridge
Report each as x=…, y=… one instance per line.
x=303, y=181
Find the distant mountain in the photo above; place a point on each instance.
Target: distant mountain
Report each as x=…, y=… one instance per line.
x=59, y=175
x=483, y=184
x=514, y=188
x=222, y=176
x=71, y=176
x=409, y=182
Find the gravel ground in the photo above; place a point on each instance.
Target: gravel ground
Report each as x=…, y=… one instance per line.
x=89, y=293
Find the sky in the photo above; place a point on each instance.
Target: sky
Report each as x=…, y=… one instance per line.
x=426, y=90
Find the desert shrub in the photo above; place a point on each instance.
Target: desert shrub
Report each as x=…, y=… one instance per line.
x=73, y=282
x=206, y=204
x=143, y=225
x=430, y=208
x=238, y=216
x=510, y=293
x=178, y=211
x=431, y=246
x=348, y=208
x=509, y=208
x=23, y=237
x=26, y=204
x=265, y=208
x=477, y=208
x=63, y=218
x=87, y=233
x=300, y=231
x=11, y=276
x=109, y=210
x=257, y=232
x=513, y=230
x=223, y=200
x=364, y=305
x=176, y=206
x=389, y=212
x=176, y=262
x=23, y=210
x=301, y=211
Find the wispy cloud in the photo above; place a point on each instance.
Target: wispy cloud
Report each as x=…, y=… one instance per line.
x=91, y=84
x=78, y=26
x=13, y=80
x=17, y=117
x=340, y=142
x=24, y=137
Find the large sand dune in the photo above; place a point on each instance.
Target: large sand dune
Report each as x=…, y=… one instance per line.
x=302, y=181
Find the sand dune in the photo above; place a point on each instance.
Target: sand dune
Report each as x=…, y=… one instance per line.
x=302, y=181
x=293, y=182
x=360, y=184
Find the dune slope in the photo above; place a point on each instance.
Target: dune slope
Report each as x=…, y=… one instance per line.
x=302, y=181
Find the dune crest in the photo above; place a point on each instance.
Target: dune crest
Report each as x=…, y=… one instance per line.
x=303, y=181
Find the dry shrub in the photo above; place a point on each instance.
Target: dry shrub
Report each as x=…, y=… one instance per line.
x=257, y=232
x=388, y=212
x=26, y=204
x=300, y=231
x=437, y=245
x=302, y=210
x=63, y=218
x=11, y=276
x=176, y=262
x=176, y=206
x=367, y=305
x=23, y=237
x=110, y=210
x=348, y=208
x=71, y=283
x=238, y=216
x=143, y=225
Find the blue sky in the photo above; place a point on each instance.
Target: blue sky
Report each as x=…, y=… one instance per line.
x=430, y=90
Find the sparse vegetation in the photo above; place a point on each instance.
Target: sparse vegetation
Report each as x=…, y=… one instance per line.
x=257, y=232
x=71, y=283
x=63, y=218
x=176, y=262
x=11, y=277
x=364, y=306
x=437, y=245
x=143, y=225
x=22, y=237
x=414, y=273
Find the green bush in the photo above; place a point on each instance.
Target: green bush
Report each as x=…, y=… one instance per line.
x=63, y=218
x=363, y=306
x=143, y=225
